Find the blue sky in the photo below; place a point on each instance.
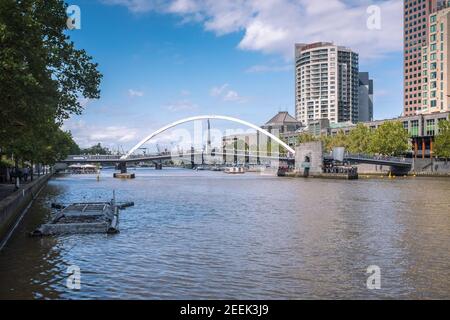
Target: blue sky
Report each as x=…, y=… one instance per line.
x=165, y=60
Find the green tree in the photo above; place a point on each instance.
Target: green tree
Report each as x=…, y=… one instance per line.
x=359, y=139
x=42, y=75
x=390, y=139
x=339, y=140
x=442, y=140
x=306, y=137
x=96, y=149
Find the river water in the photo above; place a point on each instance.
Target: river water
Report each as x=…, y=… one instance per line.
x=198, y=235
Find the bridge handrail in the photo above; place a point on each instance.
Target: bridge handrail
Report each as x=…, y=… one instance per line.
x=378, y=157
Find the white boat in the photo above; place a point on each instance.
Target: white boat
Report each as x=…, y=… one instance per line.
x=234, y=170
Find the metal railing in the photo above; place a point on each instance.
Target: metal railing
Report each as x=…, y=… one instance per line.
x=380, y=158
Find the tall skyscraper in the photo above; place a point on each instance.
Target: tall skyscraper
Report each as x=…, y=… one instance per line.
x=365, y=97
x=416, y=35
x=435, y=56
x=326, y=83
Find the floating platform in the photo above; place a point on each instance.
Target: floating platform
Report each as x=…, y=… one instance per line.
x=234, y=170
x=124, y=175
x=94, y=217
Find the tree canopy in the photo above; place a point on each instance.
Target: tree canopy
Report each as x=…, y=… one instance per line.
x=442, y=141
x=359, y=139
x=390, y=139
x=96, y=150
x=42, y=79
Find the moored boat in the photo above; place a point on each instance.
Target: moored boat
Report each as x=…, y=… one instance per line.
x=235, y=170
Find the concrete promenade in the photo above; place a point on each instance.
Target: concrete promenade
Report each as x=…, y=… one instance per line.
x=13, y=204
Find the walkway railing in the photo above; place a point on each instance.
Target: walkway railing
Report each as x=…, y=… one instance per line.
x=378, y=158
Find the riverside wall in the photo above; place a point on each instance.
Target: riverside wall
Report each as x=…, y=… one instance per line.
x=13, y=207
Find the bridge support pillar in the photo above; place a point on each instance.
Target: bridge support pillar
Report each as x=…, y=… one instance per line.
x=192, y=158
x=258, y=161
x=123, y=172
x=235, y=146
x=247, y=150
x=123, y=167
x=224, y=152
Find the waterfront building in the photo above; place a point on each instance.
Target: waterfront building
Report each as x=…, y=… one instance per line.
x=435, y=67
x=285, y=126
x=421, y=127
x=282, y=125
x=282, y=122
x=318, y=127
x=416, y=34
x=365, y=97
x=326, y=83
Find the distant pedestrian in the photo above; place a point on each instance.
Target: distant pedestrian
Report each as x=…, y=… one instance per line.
x=26, y=172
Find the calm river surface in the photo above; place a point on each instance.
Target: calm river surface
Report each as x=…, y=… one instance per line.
x=198, y=235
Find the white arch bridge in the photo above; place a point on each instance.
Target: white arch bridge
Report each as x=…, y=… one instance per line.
x=207, y=117
x=130, y=157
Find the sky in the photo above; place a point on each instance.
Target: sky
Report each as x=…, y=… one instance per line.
x=166, y=60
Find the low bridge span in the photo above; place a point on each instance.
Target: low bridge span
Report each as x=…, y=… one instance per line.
x=376, y=160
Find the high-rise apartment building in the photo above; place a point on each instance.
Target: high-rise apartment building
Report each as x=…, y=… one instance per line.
x=435, y=67
x=365, y=97
x=416, y=35
x=327, y=83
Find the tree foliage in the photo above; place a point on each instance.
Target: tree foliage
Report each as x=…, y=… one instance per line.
x=42, y=79
x=359, y=139
x=96, y=150
x=339, y=140
x=306, y=137
x=390, y=139
x=442, y=141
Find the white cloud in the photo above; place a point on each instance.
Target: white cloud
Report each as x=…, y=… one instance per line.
x=217, y=91
x=225, y=94
x=273, y=26
x=181, y=105
x=233, y=96
x=135, y=93
x=88, y=135
x=185, y=93
x=265, y=68
x=136, y=6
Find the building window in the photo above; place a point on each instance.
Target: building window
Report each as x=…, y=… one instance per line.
x=414, y=128
x=430, y=127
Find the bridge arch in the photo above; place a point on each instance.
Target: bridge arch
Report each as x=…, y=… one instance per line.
x=207, y=117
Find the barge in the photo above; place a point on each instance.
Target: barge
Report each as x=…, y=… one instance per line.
x=89, y=217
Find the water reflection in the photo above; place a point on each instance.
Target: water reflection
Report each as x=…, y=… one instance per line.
x=194, y=235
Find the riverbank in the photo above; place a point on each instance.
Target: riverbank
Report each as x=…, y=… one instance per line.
x=369, y=175
x=14, y=206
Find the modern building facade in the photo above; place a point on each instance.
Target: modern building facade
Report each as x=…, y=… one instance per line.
x=326, y=83
x=421, y=127
x=416, y=35
x=435, y=67
x=365, y=97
